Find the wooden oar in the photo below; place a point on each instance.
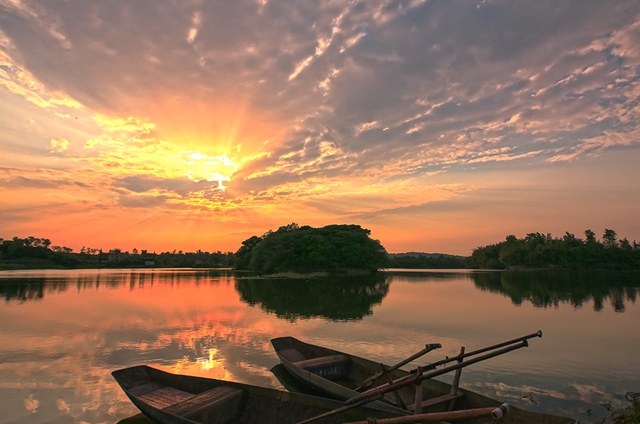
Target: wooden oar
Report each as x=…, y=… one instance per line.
x=369, y=381
x=464, y=414
x=413, y=379
x=399, y=400
x=379, y=392
x=433, y=365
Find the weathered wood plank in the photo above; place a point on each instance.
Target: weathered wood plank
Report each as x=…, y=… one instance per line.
x=456, y=380
x=399, y=400
x=165, y=397
x=417, y=406
x=440, y=399
x=145, y=388
x=323, y=361
x=292, y=355
x=219, y=395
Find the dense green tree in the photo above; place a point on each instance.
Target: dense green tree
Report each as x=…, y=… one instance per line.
x=38, y=253
x=538, y=250
x=306, y=249
x=609, y=239
x=243, y=255
x=425, y=261
x=487, y=257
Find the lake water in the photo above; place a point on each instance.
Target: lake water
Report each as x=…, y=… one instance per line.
x=63, y=332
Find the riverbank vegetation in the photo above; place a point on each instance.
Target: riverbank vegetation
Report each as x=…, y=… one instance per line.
x=416, y=260
x=39, y=253
x=334, y=248
x=568, y=251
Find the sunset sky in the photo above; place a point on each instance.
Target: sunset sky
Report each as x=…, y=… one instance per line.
x=438, y=125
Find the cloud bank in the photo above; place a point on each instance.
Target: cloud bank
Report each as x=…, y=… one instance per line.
x=343, y=108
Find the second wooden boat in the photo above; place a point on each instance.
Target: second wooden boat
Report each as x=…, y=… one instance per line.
x=337, y=374
x=167, y=398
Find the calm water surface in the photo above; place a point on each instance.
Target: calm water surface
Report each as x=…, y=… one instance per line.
x=63, y=332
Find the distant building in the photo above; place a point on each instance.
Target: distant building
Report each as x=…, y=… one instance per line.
x=118, y=256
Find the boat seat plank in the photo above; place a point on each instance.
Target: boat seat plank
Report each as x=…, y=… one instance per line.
x=165, y=397
x=323, y=361
x=145, y=388
x=219, y=398
x=330, y=367
x=440, y=399
x=292, y=355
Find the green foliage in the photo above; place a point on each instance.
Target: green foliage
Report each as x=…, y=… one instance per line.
x=38, y=253
x=538, y=250
x=243, y=255
x=30, y=251
x=421, y=261
x=629, y=415
x=333, y=248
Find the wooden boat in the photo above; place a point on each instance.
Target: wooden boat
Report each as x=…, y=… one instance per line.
x=337, y=374
x=167, y=398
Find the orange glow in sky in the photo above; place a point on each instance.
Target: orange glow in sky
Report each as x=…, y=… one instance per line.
x=438, y=126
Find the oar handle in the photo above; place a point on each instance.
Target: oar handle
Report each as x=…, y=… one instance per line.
x=413, y=379
x=346, y=407
x=432, y=417
x=379, y=392
x=433, y=365
x=427, y=348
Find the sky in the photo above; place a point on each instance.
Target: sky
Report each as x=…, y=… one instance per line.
x=440, y=126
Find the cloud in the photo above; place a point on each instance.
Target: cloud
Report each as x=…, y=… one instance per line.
x=59, y=145
x=142, y=201
x=275, y=101
x=40, y=179
x=148, y=183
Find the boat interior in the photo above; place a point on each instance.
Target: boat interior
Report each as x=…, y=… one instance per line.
x=201, y=401
x=350, y=372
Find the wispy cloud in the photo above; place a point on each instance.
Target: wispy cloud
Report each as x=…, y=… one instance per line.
x=228, y=106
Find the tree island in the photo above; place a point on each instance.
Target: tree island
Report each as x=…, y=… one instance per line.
x=334, y=248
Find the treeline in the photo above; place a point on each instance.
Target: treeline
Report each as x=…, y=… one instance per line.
x=334, y=248
x=33, y=252
x=427, y=261
x=173, y=259
x=539, y=250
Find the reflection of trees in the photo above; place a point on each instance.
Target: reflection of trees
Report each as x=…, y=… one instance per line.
x=34, y=288
x=549, y=288
x=338, y=298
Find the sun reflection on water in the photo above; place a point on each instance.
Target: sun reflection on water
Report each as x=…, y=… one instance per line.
x=57, y=353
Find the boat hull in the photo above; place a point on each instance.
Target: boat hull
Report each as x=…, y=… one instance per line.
x=293, y=352
x=159, y=395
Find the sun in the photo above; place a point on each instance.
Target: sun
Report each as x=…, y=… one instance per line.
x=201, y=166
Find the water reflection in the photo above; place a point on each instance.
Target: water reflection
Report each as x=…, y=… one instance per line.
x=23, y=286
x=550, y=288
x=63, y=332
x=338, y=298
